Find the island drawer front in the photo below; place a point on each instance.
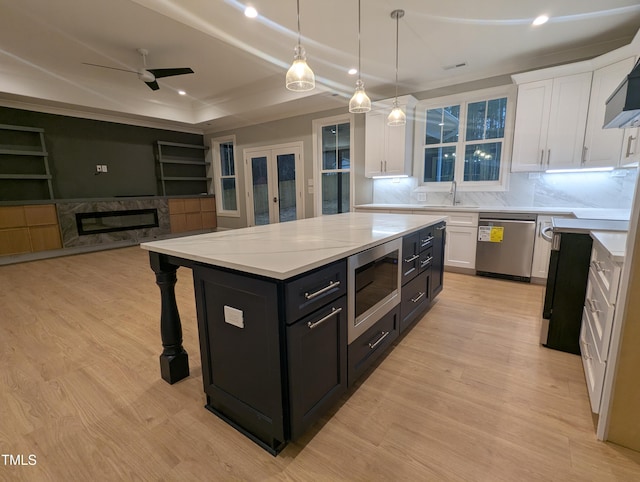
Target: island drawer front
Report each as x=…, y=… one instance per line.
x=313, y=290
x=426, y=259
x=426, y=237
x=369, y=346
x=410, y=256
x=414, y=299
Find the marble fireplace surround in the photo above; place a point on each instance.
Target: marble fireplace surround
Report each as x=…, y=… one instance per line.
x=67, y=211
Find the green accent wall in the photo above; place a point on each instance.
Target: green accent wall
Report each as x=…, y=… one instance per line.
x=76, y=145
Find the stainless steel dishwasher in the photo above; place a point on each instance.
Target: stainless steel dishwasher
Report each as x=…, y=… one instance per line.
x=505, y=245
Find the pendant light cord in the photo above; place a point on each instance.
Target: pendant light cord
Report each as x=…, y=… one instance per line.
x=359, y=62
x=397, y=37
x=298, y=5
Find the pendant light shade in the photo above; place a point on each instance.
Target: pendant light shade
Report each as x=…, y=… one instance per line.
x=397, y=116
x=360, y=102
x=300, y=77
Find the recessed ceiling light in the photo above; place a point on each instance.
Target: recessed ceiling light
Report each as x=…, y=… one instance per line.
x=250, y=12
x=540, y=20
x=182, y=92
x=352, y=71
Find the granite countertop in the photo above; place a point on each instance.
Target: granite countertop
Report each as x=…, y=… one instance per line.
x=614, y=243
x=583, y=213
x=283, y=250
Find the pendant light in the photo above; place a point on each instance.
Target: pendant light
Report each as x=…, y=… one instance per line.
x=397, y=117
x=360, y=102
x=300, y=77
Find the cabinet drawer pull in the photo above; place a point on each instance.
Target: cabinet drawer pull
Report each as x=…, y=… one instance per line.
x=412, y=258
x=441, y=228
x=379, y=340
x=417, y=298
x=426, y=241
x=541, y=156
x=629, y=141
x=332, y=284
x=410, y=271
x=426, y=261
x=592, y=306
x=334, y=311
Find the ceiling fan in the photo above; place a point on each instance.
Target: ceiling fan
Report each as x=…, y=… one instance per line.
x=149, y=76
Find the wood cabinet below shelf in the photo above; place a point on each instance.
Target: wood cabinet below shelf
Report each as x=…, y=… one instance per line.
x=192, y=214
x=29, y=229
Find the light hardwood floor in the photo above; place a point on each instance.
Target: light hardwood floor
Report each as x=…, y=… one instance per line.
x=469, y=394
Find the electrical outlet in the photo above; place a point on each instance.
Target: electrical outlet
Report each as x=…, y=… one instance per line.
x=104, y=168
x=422, y=196
x=98, y=168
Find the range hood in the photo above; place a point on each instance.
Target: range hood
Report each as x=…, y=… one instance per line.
x=623, y=106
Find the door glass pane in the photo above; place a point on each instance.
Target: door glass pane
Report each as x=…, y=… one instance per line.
x=439, y=164
x=229, y=194
x=335, y=192
x=482, y=162
x=286, y=186
x=442, y=125
x=260, y=190
x=344, y=143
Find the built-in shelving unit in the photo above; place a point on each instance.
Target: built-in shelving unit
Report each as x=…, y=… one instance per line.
x=182, y=168
x=24, y=164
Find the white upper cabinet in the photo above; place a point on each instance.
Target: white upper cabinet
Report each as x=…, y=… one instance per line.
x=389, y=149
x=551, y=116
x=605, y=147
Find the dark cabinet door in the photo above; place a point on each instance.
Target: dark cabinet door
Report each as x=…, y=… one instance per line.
x=317, y=359
x=410, y=256
x=437, y=263
x=416, y=296
x=240, y=349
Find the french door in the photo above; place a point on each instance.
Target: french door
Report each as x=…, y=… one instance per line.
x=274, y=187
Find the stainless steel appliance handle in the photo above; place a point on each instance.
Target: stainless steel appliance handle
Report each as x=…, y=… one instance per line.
x=332, y=284
x=417, y=298
x=544, y=233
x=334, y=312
x=510, y=221
x=412, y=258
x=379, y=340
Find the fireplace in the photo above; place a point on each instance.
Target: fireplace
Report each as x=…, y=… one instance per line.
x=112, y=221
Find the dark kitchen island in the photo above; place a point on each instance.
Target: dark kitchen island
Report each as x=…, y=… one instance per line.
x=276, y=312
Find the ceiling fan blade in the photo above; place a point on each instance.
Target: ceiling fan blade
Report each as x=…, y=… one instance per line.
x=159, y=73
x=153, y=85
x=111, y=68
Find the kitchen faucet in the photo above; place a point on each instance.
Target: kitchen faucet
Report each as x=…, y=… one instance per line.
x=454, y=191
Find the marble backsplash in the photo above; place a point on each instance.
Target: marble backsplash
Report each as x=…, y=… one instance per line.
x=611, y=190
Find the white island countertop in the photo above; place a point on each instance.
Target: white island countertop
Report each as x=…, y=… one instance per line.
x=283, y=250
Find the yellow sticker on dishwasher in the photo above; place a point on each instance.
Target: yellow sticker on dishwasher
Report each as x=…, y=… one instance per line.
x=497, y=234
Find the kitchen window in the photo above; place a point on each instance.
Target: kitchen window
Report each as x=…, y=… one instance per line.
x=466, y=138
x=224, y=168
x=332, y=139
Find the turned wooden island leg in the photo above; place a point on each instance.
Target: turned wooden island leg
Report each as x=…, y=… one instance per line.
x=174, y=361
